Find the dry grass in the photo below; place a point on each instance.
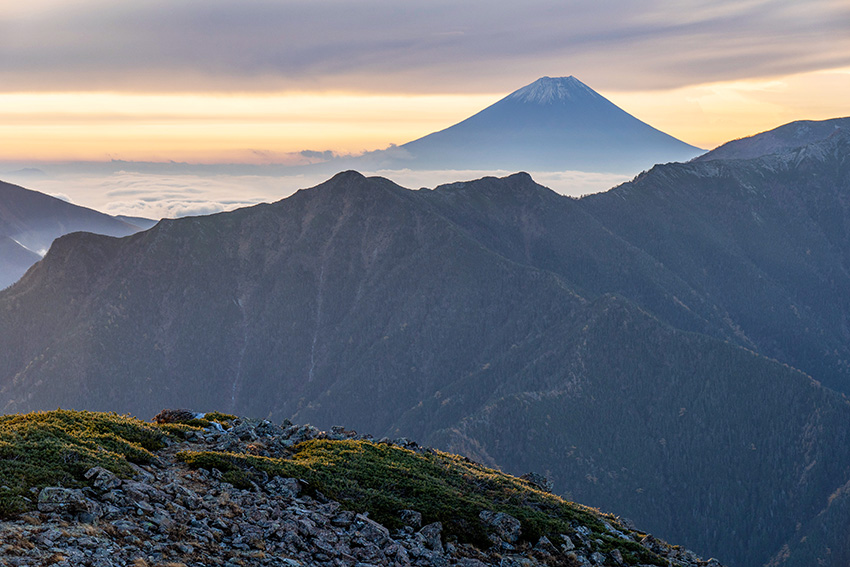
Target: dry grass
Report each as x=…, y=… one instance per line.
x=22, y=543
x=31, y=520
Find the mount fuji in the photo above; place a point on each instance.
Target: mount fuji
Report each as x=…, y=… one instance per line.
x=553, y=124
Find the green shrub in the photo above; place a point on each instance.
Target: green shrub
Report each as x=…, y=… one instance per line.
x=224, y=419
x=383, y=480
x=58, y=447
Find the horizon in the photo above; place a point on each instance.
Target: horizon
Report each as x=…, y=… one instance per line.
x=264, y=84
x=303, y=127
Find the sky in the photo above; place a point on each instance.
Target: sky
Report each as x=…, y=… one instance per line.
x=291, y=81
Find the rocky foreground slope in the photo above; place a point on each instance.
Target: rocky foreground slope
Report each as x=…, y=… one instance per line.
x=82, y=488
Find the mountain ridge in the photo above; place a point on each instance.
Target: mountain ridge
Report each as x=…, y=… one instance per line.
x=33, y=220
x=784, y=138
x=479, y=315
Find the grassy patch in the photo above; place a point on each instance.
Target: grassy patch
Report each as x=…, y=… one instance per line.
x=225, y=419
x=383, y=480
x=58, y=447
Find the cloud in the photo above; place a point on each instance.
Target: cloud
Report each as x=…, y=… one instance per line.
x=571, y=183
x=168, y=195
x=414, y=46
x=155, y=196
x=314, y=156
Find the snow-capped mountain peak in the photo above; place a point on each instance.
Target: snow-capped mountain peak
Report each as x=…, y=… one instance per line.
x=547, y=90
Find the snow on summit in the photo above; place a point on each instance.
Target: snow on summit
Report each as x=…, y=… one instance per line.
x=547, y=90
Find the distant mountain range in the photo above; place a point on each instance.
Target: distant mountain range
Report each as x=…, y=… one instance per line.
x=30, y=221
x=645, y=347
x=553, y=124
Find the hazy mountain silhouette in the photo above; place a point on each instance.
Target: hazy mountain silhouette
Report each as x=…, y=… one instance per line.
x=497, y=318
x=32, y=220
x=14, y=260
x=553, y=124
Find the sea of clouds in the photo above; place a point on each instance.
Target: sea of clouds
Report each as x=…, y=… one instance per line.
x=168, y=195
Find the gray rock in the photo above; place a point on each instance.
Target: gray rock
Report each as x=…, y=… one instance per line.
x=430, y=536
x=505, y=526
x=102, y=479
x=516, y=561
x=289, y=487
x=411, y=518
x=343, y=519
x=155, y=515
x=538, y=481
x=545, y=547
x=371, y=530
x=68, y=501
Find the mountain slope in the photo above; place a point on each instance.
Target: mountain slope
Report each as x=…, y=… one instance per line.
x=33, y=220
x=716, y=429
x=15, y=260
x=779, y=140
x=553, y=124
x=763, y=242
x=247, y=491
x=315, y=283
x=494, y=317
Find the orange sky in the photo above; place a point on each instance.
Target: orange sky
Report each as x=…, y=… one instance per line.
x=270, y=128
x=260, y=81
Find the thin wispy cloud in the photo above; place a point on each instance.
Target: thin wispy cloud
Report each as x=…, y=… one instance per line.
x=417, y=46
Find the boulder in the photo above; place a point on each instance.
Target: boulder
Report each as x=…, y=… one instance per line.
x=505, y=526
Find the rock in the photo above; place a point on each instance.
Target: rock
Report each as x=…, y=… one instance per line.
x=613, y=531
x=411, y=518
x=102, y=479
x=289, y=487
x=174, y=416
x=68, y=501
x=538, y=481
x=371, y=530
x=170, y=514
x=430, y=535
x=545, y=547
x=144, y=508
x=516, y=561
x=652, y=544
x=343, y=519
x=506, y=527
